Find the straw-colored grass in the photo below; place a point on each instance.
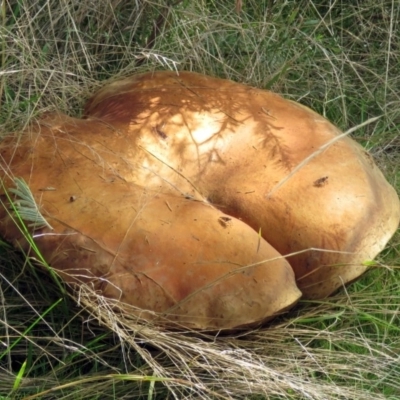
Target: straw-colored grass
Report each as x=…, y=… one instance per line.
x=340, y=58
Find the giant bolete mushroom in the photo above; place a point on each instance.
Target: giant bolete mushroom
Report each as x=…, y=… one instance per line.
x=181, y=193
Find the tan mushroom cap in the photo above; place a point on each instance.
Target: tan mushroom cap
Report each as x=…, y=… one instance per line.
x=179, y=194
x=236, y=145
x=158, y=251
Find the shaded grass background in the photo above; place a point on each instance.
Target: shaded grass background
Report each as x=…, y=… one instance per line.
x=342, y=60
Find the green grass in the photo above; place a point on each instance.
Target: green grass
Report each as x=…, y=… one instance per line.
x=342, y=60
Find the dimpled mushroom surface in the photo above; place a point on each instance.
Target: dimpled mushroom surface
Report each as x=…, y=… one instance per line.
x=181, y=193
x=180, y=261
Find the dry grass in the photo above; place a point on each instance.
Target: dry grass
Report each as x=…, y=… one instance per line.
x=341, y=59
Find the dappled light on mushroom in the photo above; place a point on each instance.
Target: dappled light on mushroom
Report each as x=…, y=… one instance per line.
x=204, y=203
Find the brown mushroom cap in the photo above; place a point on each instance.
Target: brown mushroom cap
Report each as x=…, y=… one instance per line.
x=178, y=195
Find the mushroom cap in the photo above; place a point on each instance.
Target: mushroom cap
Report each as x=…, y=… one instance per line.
x=182, y=194
x=174, y=258
x=239, y=147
